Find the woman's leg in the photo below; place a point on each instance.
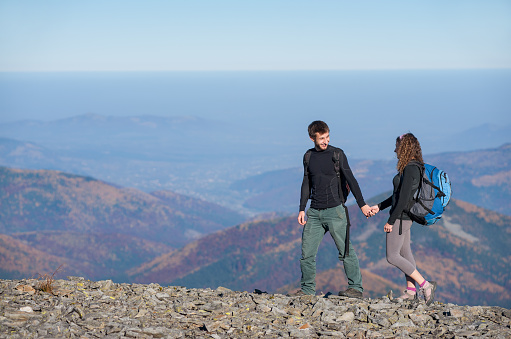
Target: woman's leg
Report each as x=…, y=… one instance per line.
x=417, y=277
x=410, y=282
x=395, y=243
x=406, y=252
x=427, y=288
x=399, y=254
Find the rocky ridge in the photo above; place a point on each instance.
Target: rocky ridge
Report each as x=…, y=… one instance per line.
x=79, y=308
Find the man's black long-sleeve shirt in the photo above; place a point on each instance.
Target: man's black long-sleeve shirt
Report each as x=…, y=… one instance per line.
x=320, y=181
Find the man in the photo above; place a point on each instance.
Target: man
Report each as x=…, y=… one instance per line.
x=327, y=212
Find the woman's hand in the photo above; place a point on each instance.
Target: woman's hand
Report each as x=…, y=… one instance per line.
x=387, y=228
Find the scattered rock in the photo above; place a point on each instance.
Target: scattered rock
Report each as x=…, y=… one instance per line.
x=456, y=313
x=87, y=309
x=305, y=327
x=403, y=323
x=25, y=288
x=348, y=316
x=27, y=309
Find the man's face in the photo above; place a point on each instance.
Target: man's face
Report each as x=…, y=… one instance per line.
x=321, y=141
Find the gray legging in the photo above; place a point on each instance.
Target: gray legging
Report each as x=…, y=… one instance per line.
x=399, y=252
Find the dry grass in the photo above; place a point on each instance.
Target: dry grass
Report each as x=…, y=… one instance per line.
x=46, y=281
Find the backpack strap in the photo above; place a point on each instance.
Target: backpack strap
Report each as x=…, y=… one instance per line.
x=337, y=166
x=347, y=241
x=425, y=207
x=342, y=186
x=439, y=193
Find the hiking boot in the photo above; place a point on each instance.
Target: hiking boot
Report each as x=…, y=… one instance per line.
x=299, y=293
x=428, y=291
x=407, y=296
x=351, y=293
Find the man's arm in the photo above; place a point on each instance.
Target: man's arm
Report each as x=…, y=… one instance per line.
x=305, y=192
x=304, y=195
x=354, y=187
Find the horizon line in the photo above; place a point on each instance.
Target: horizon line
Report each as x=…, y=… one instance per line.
x=259, y=70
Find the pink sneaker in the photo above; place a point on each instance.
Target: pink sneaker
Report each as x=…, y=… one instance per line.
x=428, y=291
x=407, y=295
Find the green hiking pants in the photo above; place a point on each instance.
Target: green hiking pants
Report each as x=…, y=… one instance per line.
x=319, y=222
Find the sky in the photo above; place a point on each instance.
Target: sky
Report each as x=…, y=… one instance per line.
x=198, y=35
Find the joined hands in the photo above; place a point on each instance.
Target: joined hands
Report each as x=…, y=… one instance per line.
x=370, y=211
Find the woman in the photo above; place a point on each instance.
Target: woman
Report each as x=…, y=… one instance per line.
x=406, y=183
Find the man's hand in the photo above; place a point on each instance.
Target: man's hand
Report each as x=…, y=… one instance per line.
x=387, y=228
x=368, y=212
x=375, y=209
x=301, y=218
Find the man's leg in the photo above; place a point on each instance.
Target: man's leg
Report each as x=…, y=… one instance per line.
x=337, y=223
x=312, y=235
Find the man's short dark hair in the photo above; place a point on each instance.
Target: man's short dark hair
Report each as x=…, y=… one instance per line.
x=318, y=126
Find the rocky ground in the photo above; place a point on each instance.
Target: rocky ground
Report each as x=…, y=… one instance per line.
x=79, y=308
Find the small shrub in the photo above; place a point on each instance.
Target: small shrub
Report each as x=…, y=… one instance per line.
x=46, y=281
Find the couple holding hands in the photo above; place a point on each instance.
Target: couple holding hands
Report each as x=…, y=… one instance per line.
x=326, y=169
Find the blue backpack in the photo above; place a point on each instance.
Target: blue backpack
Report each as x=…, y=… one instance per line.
x=432, y=196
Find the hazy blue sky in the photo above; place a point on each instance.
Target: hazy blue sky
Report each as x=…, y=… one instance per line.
x=253, y=35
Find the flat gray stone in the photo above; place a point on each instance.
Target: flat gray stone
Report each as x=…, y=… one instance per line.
x=403, y=323
x=348, y=316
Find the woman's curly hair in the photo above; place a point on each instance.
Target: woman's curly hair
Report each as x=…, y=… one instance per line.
x=408, y=148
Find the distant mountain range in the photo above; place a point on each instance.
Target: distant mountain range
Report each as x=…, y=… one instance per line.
x=187, y=155
x=217, y=160
x=95, y=228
